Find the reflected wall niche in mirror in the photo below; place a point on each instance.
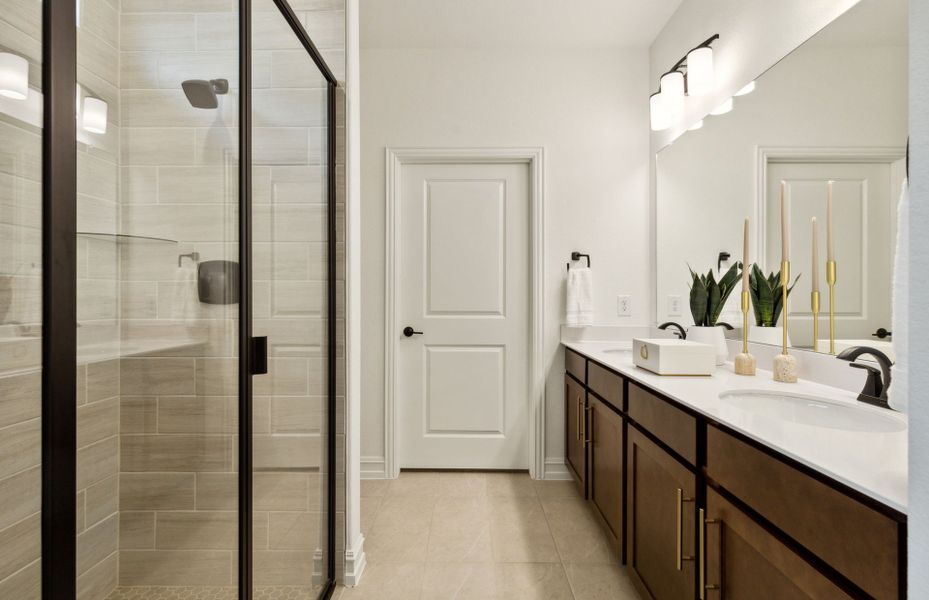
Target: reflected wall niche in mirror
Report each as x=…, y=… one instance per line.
x=834, y=109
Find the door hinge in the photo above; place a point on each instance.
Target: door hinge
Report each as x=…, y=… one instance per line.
x=259, y=355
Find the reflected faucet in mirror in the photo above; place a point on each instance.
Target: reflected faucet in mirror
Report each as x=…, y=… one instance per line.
x=878, y=382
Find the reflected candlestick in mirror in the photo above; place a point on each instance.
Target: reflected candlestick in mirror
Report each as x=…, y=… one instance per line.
x=785, y=223
x=745, y=268
x=830, y=242
x=815, y=250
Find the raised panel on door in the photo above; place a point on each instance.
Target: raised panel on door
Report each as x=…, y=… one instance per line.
x=574, y=433
x=606, y=467
x=744, y=561
x=653, y=538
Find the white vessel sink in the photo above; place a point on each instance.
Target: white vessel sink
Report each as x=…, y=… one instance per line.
x=815, y=411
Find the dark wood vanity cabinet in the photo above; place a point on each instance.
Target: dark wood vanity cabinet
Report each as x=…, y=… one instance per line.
x=575, y=420
x=660, y=541
x=743, y=560
x=702, y=512
x=606, y=453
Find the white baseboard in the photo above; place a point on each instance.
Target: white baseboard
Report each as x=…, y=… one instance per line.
x=556, y=470
x=355, y=562
x=373, y=467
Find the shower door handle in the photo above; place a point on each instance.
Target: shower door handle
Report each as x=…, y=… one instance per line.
x=259, y=355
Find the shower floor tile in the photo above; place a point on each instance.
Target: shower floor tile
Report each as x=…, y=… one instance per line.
x=211, y=593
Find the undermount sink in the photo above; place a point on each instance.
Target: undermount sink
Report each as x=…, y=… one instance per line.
x=815, y=411
x=616, y=350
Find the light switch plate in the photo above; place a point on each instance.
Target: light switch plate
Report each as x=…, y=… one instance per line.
x=624, y=306
x=674, y=305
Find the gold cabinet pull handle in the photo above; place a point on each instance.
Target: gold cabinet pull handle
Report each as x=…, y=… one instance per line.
x=703, y=585
x=679, y=551
x=577, y=403
x=587, y=440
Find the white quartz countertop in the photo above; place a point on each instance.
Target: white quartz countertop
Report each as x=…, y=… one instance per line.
x=874, y=463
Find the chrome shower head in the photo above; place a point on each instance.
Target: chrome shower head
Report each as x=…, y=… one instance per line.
x=202, y=93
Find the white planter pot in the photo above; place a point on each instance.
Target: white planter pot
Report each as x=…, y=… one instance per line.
x=773, y=336
x=714, y=336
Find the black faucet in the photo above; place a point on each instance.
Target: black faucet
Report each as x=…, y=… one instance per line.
x=875, y=388
x=681, y=333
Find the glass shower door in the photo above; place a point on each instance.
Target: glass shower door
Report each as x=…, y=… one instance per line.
x=290, y=307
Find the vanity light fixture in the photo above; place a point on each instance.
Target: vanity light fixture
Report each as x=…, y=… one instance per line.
x=748, y=89
x=14, y=76
x=693, y=75
x=659, y=114
x=696, y=126
x=701, y=74
x=672, y=91
x=93, y=118
x=722, y=108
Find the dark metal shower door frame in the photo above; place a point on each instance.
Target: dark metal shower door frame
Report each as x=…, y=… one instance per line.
x=59, y=300
x=246, y=360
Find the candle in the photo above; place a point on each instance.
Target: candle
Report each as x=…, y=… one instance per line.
x=785, y=224
x=815, y=270
x=745, y=257
x=830, y=242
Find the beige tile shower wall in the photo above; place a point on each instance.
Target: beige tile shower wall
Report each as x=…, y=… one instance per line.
x=98, y=308
x=20, y=316
x=178, y=180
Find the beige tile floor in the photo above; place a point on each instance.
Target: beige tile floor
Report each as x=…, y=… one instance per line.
x=469, y=536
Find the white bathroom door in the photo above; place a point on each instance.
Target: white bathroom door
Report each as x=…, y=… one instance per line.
x=462, y=383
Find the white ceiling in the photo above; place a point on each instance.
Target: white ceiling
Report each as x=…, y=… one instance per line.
x=512, y=23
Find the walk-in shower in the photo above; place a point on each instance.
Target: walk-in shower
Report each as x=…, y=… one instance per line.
x=168, y=299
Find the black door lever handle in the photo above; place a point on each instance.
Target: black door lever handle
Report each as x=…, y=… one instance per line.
x=410, y=332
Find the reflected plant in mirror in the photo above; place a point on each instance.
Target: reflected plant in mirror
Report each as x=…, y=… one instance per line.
x=767, y=296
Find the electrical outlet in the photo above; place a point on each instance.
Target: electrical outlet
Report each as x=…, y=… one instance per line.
x=674, y=306
x=624, y=306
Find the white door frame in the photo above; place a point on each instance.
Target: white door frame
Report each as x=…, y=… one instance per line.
x=533, y=157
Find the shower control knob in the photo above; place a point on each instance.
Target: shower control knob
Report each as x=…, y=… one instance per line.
x=410, y=332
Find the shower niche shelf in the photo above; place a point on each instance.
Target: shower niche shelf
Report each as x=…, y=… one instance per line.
x=125, y=238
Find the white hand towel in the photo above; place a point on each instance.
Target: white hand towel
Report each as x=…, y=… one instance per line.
x=580, y=297
x=900, y=317
x=186, y=299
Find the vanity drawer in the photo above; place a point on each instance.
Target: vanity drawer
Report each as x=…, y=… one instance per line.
x=606, y=384
x=674, y=427
x=575, y=364
x=856, y=540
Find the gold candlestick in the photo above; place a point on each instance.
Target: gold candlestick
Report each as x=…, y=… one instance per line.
x=814, y=306
x=830, y=281
x=785, y=365
x=745, y=362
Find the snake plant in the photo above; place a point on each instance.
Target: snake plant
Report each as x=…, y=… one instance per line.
x=767, y=296
x=708, y=297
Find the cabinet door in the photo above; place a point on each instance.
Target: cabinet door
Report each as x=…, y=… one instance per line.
x=744, y=561
x=660, y=540
x=575, y=418
x=605, y=440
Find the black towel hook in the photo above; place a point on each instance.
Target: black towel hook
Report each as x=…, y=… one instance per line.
x=578, y=256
